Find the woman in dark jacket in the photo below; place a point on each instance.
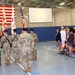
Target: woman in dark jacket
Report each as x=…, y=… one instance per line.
x=70, y=41
x=58, y=39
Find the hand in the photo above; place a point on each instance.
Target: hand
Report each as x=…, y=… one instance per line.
x=58, y=41
x=1, y=46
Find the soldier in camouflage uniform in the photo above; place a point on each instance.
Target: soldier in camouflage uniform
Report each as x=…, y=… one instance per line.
x=5, y=41
x=35, y=38
x=25, y=43
x=0, y=50
x=0, y=42
x=15, y=47
x=0, y=38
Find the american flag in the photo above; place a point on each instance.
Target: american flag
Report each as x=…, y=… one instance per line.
x=4, y=26
x=22, y=18
x=6, y=16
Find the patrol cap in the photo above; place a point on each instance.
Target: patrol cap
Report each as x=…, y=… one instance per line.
x=5, y=31
x=14, y=30
x=31, y=30
x=24, y=29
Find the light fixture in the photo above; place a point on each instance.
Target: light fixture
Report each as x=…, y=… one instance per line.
x=62, y=3
x=19, y=3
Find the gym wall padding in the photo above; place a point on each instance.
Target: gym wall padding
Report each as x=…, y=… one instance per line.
x=43, y=33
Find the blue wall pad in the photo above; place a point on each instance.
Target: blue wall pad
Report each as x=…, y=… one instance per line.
x=43, y=33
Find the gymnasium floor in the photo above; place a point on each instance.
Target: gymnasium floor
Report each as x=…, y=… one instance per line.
x=49, y=62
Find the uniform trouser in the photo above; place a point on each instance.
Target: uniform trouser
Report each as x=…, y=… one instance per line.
x=16, y=54
x=34, y=54
x=6, y=51
x=27, y=60
x=7, y=55
x=0, y=57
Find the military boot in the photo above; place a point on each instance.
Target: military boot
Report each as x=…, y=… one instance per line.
x=27, y=69
x=15, y=61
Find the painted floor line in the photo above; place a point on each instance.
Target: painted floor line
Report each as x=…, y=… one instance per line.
x=48, y=48
x=20, y=65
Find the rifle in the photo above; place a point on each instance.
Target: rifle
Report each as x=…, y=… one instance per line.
x=8, y=41
x=14, y=38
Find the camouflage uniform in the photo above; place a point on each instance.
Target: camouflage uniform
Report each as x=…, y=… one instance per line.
x=34, y=52
x=15, y=47
x=0, y=50
x=0, y=42
x=6, y=47
x=25, y=43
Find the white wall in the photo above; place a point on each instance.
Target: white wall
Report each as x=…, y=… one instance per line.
x=60, y=18
x=65, y=17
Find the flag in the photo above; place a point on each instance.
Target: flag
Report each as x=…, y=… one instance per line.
x=4, y=26
x=13, y=26
x=6, y=17
x=22, y=18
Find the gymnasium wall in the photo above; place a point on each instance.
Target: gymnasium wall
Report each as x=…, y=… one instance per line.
x=61, y=17
x=26, y=17
x=46, y=31
x=65, y=17
x=43, y=33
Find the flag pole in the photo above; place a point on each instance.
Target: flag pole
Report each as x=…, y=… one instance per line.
x=22, y=18
x=4, y=26
x=13, y=26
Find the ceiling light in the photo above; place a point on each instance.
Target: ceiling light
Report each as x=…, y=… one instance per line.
x=19, y=3
x=62, y=3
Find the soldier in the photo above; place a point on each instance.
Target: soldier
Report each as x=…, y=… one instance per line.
x=25, y=43
x=15, y=47
x=35, y=39
x=5, y=40
x=0, y=50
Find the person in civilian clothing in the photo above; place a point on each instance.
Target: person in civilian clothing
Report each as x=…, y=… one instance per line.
x=63, y=36
x=70, y=41
x=58, y=39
